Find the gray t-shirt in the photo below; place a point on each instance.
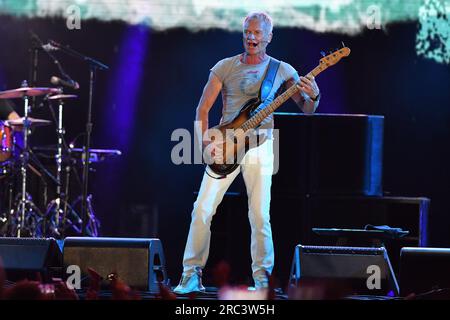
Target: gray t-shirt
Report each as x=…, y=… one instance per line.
x=242, y=82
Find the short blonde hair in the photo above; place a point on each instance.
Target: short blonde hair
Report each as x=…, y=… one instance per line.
x=261, y=16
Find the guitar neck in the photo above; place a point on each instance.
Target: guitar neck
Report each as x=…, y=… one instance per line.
x=257, y=118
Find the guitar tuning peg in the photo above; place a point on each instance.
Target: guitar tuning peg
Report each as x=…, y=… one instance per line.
x=322, y=53
x=343, y=45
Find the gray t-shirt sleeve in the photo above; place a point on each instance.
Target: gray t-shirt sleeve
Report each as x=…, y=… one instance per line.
x=221, y=69
x=288, y=72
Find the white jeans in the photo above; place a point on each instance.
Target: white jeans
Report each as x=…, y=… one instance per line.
x=257, y=169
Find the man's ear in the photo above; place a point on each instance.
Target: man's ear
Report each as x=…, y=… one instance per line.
x=270, y=37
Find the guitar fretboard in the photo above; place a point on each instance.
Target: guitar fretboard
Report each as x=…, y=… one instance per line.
x=257, y=118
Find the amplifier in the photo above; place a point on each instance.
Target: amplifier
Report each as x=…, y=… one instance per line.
x=356, y=270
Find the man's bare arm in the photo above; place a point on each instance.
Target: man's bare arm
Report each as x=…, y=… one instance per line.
x=209, y=96
x=13, y=116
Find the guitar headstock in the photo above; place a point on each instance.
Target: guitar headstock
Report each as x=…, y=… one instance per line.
x=335, y=56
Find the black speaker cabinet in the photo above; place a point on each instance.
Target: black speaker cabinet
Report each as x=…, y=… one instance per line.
x=424, y=269
x=139, y=262
x=346, y=154
x=351, y=268
x=26, y=257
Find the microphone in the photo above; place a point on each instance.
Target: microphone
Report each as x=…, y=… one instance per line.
x=49, y=47
x=55, y=44
x=66, y=83
x=38, y=44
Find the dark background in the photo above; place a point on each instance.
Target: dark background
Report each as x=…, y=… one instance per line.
x=143, y=194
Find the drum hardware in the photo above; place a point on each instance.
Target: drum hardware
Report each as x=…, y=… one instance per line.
x=59, y=213
x=25, y=200
x=23, y=217
x=6, y=142
x=36, y=225
x=32, y=122
x=23, y=214
x=72, y=157
x=26, y=216
x=76, y=154
x=6, y=201
x=56, y=211
x=6, y=181
x=92, y=225
x=96, y=155
x=27, y=92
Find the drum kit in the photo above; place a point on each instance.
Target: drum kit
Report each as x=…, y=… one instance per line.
x=22, y=218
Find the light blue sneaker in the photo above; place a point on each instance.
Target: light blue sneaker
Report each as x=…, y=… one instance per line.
x=190, y=283
x=261, y=283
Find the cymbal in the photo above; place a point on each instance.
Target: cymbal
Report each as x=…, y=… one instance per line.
x=63, y=96
x=27, y=91
x=33, y=122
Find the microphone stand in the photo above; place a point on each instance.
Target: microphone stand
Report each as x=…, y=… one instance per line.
x=94, y=65
x=34, y=57
x=56, y=228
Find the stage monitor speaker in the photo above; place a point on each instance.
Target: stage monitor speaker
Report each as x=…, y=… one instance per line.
x=356, y=270
x=139, y=262
x=424, y=269
x=25, y=258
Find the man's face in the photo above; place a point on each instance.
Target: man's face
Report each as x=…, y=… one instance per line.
x=256, y=37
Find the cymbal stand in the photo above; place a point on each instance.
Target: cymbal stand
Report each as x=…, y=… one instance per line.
x=75, y=222
x=60, y=205
x=25, y=200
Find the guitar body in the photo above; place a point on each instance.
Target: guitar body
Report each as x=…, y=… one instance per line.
x=234, y=148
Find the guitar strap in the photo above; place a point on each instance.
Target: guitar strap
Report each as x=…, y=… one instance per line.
x=269, y=79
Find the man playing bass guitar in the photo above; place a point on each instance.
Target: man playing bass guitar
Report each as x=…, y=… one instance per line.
x=239, y=79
